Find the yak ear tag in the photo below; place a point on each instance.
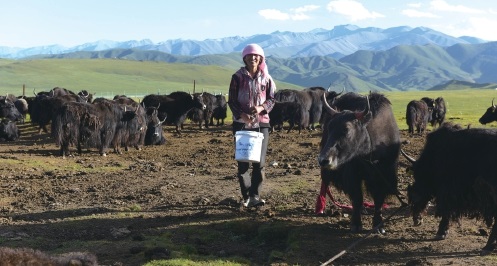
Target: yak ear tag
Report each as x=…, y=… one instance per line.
x=359, y=115
x=363, y=118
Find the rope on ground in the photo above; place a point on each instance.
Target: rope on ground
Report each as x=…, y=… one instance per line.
x=355, y=243
x=349, y=207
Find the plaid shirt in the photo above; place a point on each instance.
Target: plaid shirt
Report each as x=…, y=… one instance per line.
x=246, y=92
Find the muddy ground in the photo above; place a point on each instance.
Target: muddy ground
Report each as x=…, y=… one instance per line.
x=182, y=200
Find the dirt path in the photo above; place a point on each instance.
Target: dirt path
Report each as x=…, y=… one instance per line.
x=182, y=199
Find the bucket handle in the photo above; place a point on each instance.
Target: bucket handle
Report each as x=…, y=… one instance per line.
x=253, y=117
x=259, y=128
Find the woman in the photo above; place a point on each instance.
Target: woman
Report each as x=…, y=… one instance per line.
x=251, y=98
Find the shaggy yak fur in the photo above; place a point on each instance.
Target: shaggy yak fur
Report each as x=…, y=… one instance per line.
x=456, y=170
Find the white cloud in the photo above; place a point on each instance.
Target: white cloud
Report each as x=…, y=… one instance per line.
x=353, y=10
x=483, y=28
x=304, y=9
x=479, y=27
x=417, y=14
x=441, y=5
x=414, y=5
x=295, y=13
x=300, y=16
x=274, y=14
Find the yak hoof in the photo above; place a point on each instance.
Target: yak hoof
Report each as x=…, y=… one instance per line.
x=355, y=228
x=487, y=250
x=381, y=231
x=441, y=237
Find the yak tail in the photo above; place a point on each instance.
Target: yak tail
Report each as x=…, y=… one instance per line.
x=65, y=126
x=56, y=128
x=57, y=131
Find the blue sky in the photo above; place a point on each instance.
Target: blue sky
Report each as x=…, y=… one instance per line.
x=28, y=23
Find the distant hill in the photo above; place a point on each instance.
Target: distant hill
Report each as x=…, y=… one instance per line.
x=462, y=85
x=401, y=68
x=359, y=59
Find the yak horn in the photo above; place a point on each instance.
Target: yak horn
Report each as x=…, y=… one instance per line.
x=409, y=158
x=163, y=120
x=329, y=90
x=327, y=106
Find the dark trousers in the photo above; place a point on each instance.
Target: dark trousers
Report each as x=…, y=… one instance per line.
x=251, y=183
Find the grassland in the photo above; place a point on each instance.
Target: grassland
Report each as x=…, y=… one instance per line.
x=464, y=107
x=109, y=77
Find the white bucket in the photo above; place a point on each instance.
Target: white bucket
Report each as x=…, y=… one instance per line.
x=248, y=146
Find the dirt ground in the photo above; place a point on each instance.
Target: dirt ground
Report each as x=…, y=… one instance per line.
x=182, y=199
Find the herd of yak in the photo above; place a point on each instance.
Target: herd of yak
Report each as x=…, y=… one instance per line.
x=359, y=150
x=76, y=119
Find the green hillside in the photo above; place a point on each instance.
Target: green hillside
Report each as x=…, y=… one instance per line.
x=108, y=77
x=401, y=68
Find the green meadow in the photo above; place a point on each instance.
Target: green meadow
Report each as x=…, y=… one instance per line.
x=464, y=106
x=109, y=77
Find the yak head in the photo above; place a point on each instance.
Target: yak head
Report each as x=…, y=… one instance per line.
x=198, y=101
x=8, y=130
x=85, y=96
x=418, y=194
x=417, y=203
x=154, y=134
x=345, y=136
x=8, y=110
x=490, y=115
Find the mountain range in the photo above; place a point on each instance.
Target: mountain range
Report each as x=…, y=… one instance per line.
x=362, y=59
x=340, y=41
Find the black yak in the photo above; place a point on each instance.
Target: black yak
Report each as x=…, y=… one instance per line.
x=457, y=170
x=360, y=145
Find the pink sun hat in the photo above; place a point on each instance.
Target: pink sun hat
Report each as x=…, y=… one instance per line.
x=256, y=49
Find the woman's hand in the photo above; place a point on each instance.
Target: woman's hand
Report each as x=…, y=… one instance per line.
x=247, y=119
x=256, y=109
